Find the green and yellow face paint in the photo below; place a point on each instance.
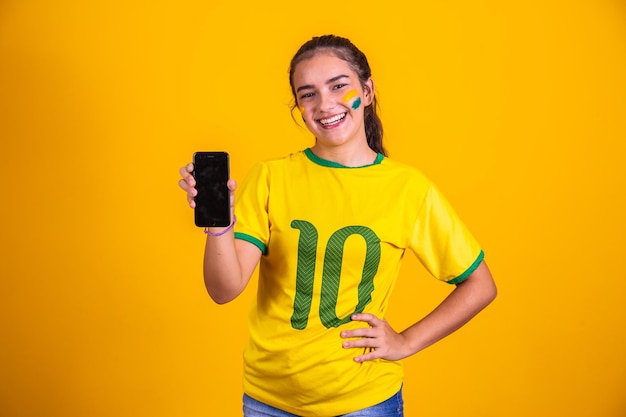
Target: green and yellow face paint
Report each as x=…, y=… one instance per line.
x=353, y=96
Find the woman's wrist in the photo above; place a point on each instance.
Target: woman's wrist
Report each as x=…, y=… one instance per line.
x=223, y=231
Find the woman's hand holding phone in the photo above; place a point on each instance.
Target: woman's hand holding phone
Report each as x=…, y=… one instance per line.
x=209, y=188
x=188, y=184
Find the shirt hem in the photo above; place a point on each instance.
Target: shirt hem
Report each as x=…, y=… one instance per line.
x=469, y=270
x=256, y=242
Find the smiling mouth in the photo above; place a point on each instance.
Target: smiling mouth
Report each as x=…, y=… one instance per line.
x=333, y=120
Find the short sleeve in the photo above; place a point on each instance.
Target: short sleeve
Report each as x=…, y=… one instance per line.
x=251, y=208
x=441, y=242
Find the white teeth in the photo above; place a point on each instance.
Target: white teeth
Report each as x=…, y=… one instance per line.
x=333, y=119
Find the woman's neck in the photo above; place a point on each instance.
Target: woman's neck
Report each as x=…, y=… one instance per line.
x=347, y=156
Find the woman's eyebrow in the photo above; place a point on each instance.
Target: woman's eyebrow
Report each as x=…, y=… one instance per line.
x=330, y=81
x=337, y=78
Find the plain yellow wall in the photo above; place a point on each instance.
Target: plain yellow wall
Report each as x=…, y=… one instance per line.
x=517, y=110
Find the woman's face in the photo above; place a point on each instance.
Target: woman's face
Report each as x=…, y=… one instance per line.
x=331, y=99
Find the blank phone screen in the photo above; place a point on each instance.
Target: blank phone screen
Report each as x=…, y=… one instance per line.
x=211, y=171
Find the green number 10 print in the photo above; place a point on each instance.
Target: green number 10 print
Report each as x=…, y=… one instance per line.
x=333, y=260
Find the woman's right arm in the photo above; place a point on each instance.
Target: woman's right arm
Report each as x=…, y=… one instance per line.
x=228, y=262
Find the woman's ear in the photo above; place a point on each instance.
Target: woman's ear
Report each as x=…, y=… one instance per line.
x=368, y=92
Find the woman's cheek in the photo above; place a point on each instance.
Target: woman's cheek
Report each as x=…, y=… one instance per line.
x=353, y=97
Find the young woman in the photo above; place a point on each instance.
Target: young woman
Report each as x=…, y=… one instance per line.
x=329, y=226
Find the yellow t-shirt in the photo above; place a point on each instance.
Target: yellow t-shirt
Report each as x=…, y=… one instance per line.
x=332, y=239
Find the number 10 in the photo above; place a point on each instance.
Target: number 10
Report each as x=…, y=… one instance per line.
x=333, y=261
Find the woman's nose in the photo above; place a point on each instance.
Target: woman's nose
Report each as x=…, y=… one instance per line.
x=326, y=102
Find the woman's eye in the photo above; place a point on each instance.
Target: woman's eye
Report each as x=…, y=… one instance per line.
x=338, y=86
x=306, y=95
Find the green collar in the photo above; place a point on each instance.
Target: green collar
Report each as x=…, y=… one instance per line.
x=323, y=162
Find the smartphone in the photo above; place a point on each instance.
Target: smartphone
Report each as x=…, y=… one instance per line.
x=211, y=171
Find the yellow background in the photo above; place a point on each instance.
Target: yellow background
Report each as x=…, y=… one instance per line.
x=515, y=109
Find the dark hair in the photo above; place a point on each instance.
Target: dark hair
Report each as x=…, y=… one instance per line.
x=343, y=49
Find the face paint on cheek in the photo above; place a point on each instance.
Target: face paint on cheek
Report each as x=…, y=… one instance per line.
x=349, y=96
x=301, y=108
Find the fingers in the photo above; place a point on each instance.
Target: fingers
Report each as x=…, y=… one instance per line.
x=370, y=319
x=232, y=186
x=373, y=354
x=372, y=347
x=361, y=337
x=378, y=339
x=187, y=183
x=364, y=336
x=187, y=179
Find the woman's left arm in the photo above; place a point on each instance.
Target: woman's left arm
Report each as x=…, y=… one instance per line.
x=464, y=302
